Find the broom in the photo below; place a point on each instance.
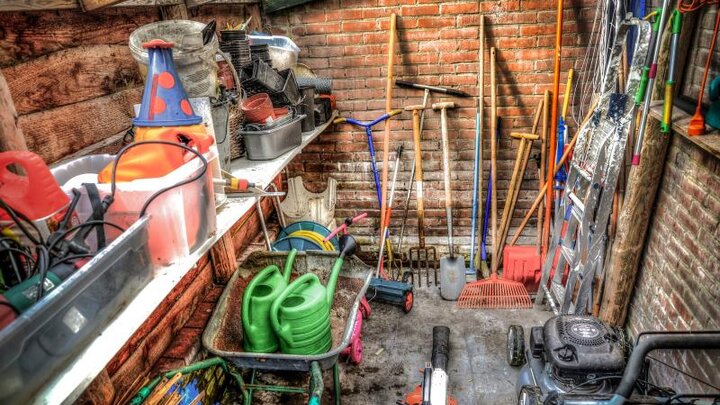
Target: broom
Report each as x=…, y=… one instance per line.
x=494, y=292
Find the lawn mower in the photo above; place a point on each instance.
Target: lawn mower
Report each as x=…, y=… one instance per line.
x=578, y=360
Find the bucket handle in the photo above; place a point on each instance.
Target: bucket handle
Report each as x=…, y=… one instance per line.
x=246, y=318
x=283, y=331
x=23, y=159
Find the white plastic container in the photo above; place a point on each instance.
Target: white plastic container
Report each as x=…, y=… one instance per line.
x=181, y=219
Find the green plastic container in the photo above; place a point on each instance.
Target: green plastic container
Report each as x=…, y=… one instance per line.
x=300, y=316
x=259, y=295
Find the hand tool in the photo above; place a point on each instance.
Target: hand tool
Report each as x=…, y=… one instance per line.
x=541, y=172
x=371, y=144
x=542, y=194
x=493, y=155
x=651, y=80
x=446, y=90
x=697, y=122
x=477, y=169
x=380, y=268
x=513, y=188
x=388, y=109
x=561, y=175
x=426, y=93
x=553, y=121
x=452, y=268
x=494, y=292
x=666, y=123
x=420, y=257
x=523, y=154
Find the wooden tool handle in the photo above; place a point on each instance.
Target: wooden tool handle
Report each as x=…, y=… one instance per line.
x=493, y=156
x=419, y=178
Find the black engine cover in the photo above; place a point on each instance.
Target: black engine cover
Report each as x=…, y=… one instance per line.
x=579, y=348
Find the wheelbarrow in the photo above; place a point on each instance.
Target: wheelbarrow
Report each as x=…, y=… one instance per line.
x=223, y=335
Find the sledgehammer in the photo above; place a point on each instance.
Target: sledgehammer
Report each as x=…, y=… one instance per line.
x=453, y=92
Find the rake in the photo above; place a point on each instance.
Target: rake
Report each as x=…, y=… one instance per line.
x=494, y=292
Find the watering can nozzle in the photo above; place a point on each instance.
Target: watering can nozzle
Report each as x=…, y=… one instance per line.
x=348, y=245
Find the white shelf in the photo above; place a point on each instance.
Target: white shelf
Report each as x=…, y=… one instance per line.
x=70, y=384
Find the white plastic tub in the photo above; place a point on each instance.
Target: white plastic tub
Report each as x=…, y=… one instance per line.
x=181, y=219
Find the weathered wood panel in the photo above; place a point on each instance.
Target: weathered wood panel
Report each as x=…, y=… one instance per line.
x=11, y=135
x=166, y=325
x=59, y=132
x=71, y=76
x=89, y=5
x=24, y=36
x=30, y=5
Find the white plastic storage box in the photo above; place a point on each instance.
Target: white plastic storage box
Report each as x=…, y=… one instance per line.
x=181, y=219
x=44, y=339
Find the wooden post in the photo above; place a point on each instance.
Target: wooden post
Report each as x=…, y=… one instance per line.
x=622, y=267
x=223, y=259
x=11, y=136
x=174, y=12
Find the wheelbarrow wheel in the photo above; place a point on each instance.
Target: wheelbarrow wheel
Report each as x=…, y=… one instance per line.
x=408, y=301
x=356, y=351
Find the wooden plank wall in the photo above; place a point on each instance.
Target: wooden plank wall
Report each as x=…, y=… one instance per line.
x=72, y=77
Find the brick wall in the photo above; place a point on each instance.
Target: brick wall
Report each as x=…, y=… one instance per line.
x=698, y=54
x=678, y=287
x=438, y=43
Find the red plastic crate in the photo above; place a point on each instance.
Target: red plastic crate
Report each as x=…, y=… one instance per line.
x=523, y=264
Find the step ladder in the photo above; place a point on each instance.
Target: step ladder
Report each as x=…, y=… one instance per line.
x=579, y=233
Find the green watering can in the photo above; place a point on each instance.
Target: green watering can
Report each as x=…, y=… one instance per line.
x=300, y=316
x=263, y=289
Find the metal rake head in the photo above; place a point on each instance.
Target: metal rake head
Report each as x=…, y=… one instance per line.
x=494, y=293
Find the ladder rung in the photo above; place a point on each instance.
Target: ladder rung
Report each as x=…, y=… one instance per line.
x=577, y=203
x=567, y=253
x=584, y=174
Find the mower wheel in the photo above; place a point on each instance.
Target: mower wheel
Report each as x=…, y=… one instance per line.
x=408, y=301
x=515, y=346
x=530, y=395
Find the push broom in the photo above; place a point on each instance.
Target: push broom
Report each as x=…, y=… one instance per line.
x=494, y=292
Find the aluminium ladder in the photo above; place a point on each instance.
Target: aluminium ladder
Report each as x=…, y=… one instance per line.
x=579, y=232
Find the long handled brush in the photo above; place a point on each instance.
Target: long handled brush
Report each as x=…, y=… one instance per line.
x=494, y=292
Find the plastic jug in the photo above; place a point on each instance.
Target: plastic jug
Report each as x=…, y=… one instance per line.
x=300, y=316
x=263, y=289
x=34, y=193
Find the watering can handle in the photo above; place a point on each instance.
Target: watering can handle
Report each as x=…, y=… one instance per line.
x=275, y=309
x=247, y=322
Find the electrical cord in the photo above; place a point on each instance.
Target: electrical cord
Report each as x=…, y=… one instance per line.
x=43, y=259
x=85, y=224
x=17, y=217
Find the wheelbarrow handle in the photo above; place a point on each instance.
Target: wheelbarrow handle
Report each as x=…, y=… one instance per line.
x=343, y=228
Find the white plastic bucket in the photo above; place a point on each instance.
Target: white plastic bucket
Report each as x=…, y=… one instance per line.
x=194, y=61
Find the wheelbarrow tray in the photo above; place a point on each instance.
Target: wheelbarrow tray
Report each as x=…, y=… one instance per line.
x=223, y=335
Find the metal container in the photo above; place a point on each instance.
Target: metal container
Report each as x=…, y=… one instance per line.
x=270, y=143
x=307, y=107
x=221, y=125
x=283, y=51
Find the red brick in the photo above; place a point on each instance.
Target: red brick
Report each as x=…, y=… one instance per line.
x=358, y=26
x=429, y=9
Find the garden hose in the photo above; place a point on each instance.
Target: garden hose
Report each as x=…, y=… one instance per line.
x=315, y=237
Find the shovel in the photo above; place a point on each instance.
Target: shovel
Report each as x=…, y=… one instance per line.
x=452, y=268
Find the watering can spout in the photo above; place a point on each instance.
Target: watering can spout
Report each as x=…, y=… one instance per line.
x=348, y=245
x=289, y=265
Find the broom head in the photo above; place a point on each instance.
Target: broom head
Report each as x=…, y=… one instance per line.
x=495, y=293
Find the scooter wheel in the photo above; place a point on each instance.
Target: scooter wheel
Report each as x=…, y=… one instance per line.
x=365, y=308
x=515, y=346
x=408, y=302
x=356, y=351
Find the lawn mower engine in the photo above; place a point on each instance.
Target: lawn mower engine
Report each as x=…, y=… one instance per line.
x=570, y=353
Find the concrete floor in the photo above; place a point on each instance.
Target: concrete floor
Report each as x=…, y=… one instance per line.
x=397, y=345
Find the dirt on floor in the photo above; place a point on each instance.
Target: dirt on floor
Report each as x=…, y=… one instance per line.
x=397, y=345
